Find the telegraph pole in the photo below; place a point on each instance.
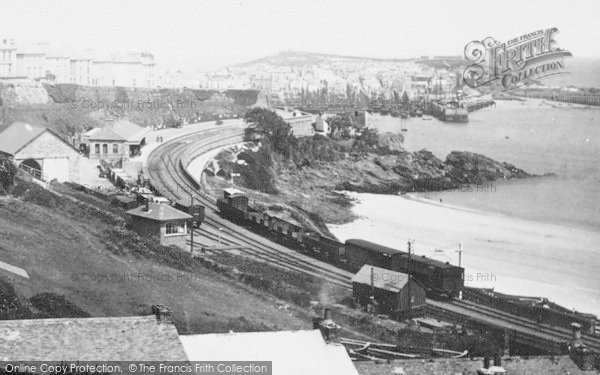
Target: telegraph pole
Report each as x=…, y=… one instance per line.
x=192, y=224
x=459, y=251
x=408, y=266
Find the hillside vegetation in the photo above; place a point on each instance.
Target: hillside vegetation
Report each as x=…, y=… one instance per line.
x=308, y=173
x=70, y=109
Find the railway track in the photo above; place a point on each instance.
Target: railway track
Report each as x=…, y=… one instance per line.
x=167, y=167
x=172, y=181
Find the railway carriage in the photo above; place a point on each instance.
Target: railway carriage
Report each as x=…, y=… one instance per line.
x=439, y=278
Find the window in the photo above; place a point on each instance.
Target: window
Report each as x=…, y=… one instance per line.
x=105, y=148
x=97, y=148
x=175, y=228
x=115, y=148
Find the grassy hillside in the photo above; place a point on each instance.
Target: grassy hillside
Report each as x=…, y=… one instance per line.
x=85, y=257
x=70, y=109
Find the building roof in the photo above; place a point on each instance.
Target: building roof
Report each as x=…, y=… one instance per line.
x=20, y=134
x=104, y=134
x=380, y=249
x=121, y=130
x=534, y=365
x=233, y=192
x=91, y=339
x=159, y=212
x=126, y=129
x=382, y=278
x=17, y=136
x=292, y=352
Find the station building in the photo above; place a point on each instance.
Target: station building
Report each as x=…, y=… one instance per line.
x=41, y=152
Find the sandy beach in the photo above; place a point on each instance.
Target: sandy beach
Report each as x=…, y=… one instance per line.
x=509, y=254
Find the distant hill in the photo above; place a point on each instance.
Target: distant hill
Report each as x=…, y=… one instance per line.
x=301, y=58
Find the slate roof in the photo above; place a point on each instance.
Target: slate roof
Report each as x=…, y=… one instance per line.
x=17, y=136
x=90, y=339
x=159, y=212
x=105, y=134
x=292, y=352
x=382, y=278
x=376, y=248
x=121, y=130
x=20, y=134
x=126, y=129
x=535, y=365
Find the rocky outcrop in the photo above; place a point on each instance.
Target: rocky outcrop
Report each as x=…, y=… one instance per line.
x=471, y=168
x=313, y=186
x=422, y=172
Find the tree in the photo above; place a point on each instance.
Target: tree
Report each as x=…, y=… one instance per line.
x=8, y=171
x=368, y=138
x=268, y=125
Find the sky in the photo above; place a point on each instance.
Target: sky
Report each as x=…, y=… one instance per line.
x=202, y=35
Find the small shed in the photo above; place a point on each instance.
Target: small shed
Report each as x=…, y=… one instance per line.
x=162, y=221
x=387, y=291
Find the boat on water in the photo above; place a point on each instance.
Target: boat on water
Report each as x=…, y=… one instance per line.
x=426, y=117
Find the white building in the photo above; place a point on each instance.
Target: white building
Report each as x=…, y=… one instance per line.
x=8, y=58
x=59, y=65
x=31, y=62
x=81, y=69
x=127, y=70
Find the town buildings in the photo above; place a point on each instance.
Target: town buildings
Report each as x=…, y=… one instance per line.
x=40, y=61
x=8, y=58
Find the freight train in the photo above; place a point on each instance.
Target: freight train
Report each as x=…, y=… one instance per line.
x=438, y=278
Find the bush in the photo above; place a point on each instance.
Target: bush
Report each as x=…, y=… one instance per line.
x=8, y=171
x=54, y=306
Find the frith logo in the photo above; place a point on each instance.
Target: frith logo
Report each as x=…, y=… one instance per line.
x=514, y=63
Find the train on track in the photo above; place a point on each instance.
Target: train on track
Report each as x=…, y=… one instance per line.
x=440, y=279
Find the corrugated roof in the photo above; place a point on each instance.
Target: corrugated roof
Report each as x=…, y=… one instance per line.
x=382, y=278
x=90, y=339
x=159, y=212
x=292, y=352
x=534, y=365
x=370, y=246
x=17, y=136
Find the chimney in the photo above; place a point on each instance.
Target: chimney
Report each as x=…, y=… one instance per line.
x=576, y=340
x=147, y=205
x=328, y=328
x=162, y=313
